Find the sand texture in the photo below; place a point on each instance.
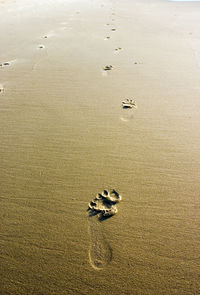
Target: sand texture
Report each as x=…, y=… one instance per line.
x=95, y=96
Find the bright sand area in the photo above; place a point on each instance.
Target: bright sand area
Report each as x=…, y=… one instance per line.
x=64, y=137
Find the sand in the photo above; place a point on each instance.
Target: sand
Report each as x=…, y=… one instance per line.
x=65, y=137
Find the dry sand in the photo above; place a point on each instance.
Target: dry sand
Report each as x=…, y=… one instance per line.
x=64, y=137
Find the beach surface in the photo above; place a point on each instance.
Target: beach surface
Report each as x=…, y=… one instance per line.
x=65, y=69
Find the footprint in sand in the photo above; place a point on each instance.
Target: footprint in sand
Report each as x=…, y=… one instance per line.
x=138, y=63
x=41, y=46
x=127, y=110
x=117, y=50
x=126, y=117
x=102, y=207
x=49, y=34
x=108, y=68
x=5, y=64
x=1, y=89
x=129, y=104
x=100, y=252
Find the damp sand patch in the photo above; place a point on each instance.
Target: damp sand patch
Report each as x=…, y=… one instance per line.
x=102, y=207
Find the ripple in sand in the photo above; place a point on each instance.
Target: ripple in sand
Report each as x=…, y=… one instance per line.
x=100, y=208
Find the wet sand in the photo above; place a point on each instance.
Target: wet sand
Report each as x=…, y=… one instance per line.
x=65, y=137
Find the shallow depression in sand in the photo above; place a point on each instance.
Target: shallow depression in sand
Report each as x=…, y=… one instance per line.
x=100, y=252
x=126, y=115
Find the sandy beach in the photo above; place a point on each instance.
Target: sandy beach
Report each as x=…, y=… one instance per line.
x=66, y=141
